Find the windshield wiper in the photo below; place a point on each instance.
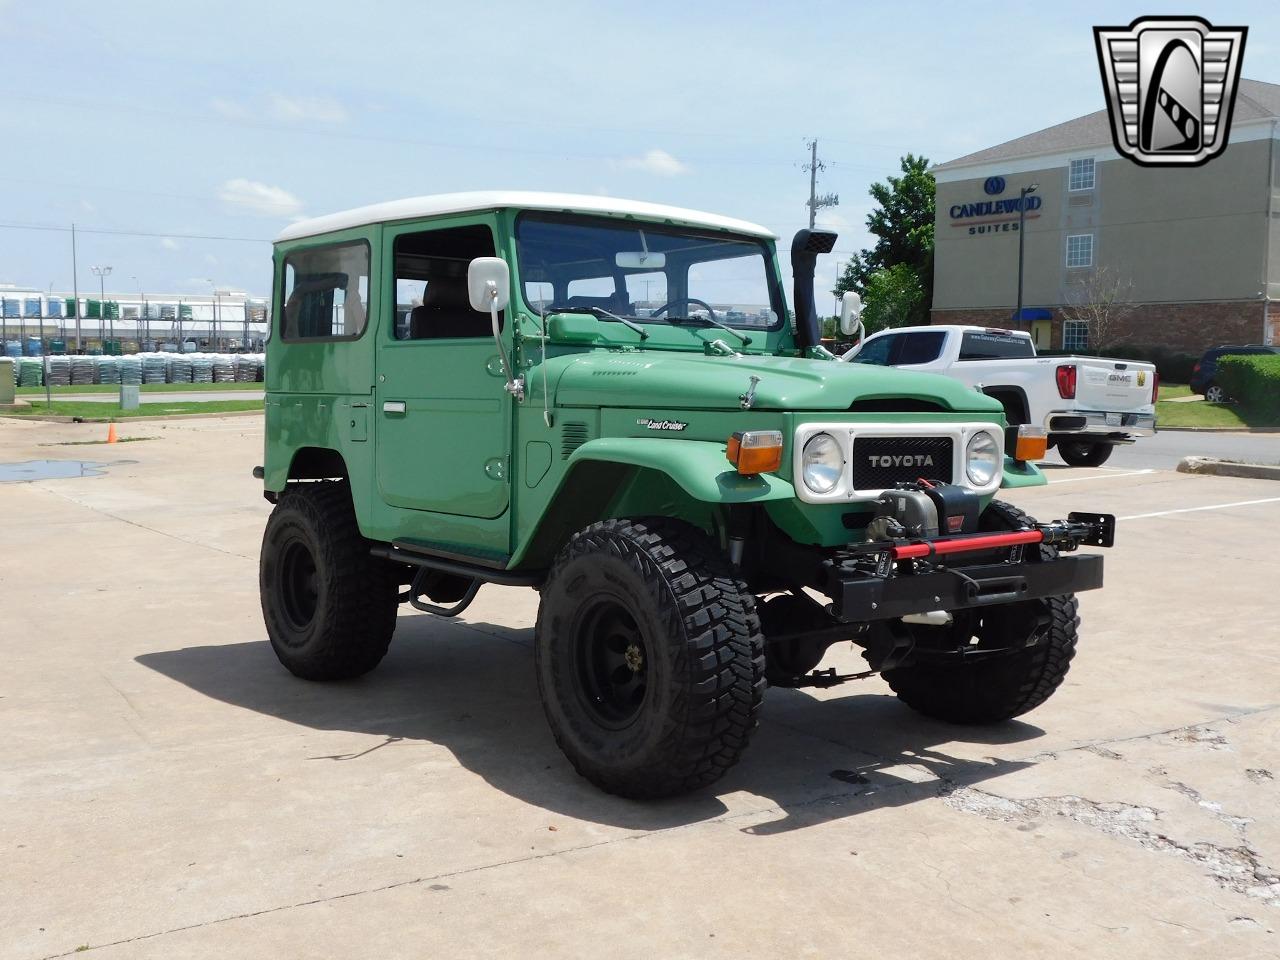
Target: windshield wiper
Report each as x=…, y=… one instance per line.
x=602, y=314
x=713, y=322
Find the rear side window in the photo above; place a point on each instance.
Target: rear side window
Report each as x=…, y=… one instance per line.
x=990, y=345
x=326, y=292
x=877, y=351
x=919, y=347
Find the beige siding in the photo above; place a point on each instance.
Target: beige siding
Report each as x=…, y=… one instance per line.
x=1174, y=235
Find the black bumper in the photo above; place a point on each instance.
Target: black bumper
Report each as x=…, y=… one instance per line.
x=859, y=597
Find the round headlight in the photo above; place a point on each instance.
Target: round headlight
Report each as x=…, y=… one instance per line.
x=823, y=463
x=982, y=459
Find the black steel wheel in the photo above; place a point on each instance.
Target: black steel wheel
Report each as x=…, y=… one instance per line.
x=1085, y=453
x=649, y=657
x=612, y=662
x=329, y=606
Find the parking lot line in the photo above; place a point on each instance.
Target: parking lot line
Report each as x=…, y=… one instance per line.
x=1214, y=506
x=1104, y=476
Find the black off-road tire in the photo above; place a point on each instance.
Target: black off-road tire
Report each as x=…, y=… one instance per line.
x=1085, y=453
x=649, y=657
x=329, y=606
x=1004, y=686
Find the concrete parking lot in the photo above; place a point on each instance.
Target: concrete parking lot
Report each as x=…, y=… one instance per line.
x=168, y=790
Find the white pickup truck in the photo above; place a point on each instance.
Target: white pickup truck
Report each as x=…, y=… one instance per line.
x=1086, y=405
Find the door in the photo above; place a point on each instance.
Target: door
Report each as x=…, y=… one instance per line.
x=443, y=418
x=1041, y=334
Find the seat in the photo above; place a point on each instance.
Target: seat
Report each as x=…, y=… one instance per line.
x=446, y=312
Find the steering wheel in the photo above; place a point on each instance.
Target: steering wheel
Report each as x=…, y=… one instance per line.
x=672, y=303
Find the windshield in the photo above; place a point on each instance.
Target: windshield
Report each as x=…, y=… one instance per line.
x=650, y=273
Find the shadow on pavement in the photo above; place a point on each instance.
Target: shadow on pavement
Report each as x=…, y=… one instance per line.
x=471, y=688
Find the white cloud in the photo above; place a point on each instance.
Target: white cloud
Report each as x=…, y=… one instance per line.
x=229, y=109
x=829, y=218
x=317, y=109
x=87, y=206
x=658, y=162
x=169, y=243
x=260, y=198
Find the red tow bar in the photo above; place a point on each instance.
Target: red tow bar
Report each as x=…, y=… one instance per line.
x=940, y=548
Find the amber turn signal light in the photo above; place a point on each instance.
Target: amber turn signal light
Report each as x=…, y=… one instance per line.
x=1032, y=444
x=755, y=451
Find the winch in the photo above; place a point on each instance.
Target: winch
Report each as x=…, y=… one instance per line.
x=924, y=509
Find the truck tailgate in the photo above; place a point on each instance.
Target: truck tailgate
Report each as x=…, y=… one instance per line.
x=1120, y=386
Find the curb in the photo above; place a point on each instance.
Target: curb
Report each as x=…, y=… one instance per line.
x=122, y=420
x=1208, y=466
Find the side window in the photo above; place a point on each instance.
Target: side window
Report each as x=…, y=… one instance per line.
x=326, y=292
x=919, y=347
x=431, y=301
x=877, y=351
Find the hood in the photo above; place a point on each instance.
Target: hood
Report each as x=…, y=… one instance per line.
x=697, y=382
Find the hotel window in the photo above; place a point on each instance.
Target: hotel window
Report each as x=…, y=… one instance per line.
x=1081, y=174
x=1080, y=250
x=1075, y=335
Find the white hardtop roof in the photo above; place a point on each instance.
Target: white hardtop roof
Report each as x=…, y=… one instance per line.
x=445, y=203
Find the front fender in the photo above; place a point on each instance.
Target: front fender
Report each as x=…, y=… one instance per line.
x=1020, y=473
x=698, y=466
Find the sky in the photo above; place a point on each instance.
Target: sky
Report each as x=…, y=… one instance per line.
x=181, y=137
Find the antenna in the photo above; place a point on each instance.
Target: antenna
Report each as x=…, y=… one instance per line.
x=815, y=202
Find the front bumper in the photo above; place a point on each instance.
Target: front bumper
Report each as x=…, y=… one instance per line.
x=860, y=597
x=1101, y=422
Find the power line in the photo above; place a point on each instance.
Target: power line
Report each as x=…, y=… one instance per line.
x=129, y=233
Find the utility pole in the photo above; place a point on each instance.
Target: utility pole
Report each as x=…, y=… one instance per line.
x=812, y=167
x=75, y=287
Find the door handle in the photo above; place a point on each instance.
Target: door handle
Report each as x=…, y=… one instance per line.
x=394, y=406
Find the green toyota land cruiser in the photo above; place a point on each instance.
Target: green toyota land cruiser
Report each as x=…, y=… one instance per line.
x=608, y=401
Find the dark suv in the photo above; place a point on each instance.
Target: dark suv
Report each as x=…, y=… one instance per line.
x=1204, y=374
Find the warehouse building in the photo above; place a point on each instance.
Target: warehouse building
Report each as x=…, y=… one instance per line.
x=1116, y=253
x=34, y=321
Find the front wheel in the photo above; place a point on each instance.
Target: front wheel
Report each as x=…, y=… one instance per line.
x=329, y=606
x=649, y=657
x=996, y=663
x=1084, y=453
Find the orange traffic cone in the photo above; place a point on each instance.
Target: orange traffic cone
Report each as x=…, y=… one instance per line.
x=111, y=432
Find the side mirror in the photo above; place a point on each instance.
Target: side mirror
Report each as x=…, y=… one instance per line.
x=850, y=314
x=488, y=284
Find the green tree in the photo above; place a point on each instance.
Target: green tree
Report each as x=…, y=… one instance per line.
x=891, y=297
x=902, y=224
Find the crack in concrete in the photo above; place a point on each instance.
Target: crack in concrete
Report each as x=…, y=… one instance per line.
x=143, y=526
x=1238, y=868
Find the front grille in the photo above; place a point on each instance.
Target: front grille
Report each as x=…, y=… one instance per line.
x=882, y=462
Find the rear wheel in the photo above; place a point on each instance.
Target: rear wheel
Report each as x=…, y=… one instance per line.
x=649, y=657
x=329, y=606
x=1022, y=653
x=1084, y=453
x=1215, y=394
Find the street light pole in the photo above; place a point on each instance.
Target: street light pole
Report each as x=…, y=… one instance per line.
x=142, y=312
x=213, y=313
x=1022, y=234
x=102, y=274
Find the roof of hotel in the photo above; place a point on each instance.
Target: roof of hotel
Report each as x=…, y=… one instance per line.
x=1255, y=100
